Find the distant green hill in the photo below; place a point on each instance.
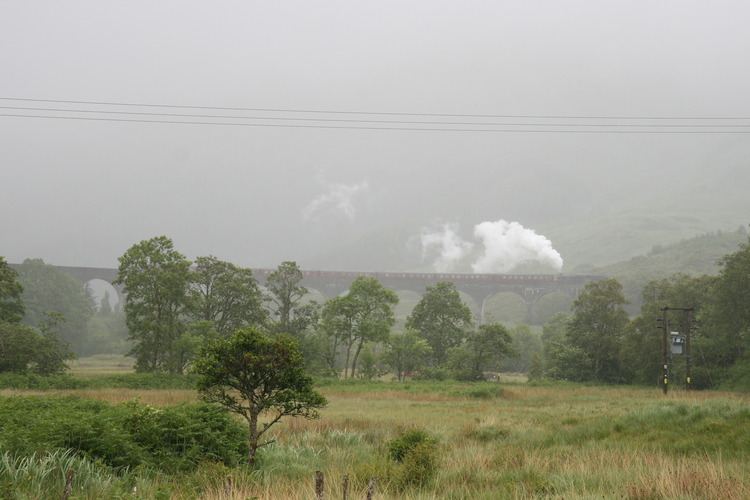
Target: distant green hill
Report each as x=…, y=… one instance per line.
x=695, y=256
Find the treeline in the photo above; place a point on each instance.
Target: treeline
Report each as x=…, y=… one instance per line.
x=52, y=299
x=175, y=307
x=597, y=342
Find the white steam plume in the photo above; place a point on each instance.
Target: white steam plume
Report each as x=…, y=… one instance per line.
x=340, y=197
x=507, y=244
x=450, y=246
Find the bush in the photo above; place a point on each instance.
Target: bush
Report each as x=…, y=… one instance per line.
x=179, y=437
x=420, y=465
x=417, y=453
x=124, y=381
x=128, y=435
x=41, y=383
x=438, y=373
x=400, y=446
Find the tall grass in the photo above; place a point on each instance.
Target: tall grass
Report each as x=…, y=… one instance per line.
x=44, y=475
x=495, y=442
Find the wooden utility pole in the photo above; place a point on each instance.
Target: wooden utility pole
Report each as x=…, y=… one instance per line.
x=664, y=320
x=688, y=342
x=686, y=351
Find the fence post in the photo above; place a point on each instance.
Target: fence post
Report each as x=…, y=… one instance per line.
x=371, y=488
x=346, y=486
x=68, y=484
x=319, y=486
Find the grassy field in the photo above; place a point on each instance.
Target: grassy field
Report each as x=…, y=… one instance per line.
x=495, y=440
x=101, y=364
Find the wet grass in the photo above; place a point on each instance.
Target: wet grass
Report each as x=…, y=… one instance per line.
x=496, y=441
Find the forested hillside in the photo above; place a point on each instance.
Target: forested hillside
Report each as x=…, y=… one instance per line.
x=694, y=256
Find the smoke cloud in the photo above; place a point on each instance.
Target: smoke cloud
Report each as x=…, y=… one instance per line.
x=508, y=244
x=339, y=198
x=449, y=245
x=505, y=246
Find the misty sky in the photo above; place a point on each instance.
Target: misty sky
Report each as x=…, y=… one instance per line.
x=81, y=191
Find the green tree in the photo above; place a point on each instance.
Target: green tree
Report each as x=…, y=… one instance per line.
x=597, y=327
x=107, y=334
x=53, y=353
x=556, y=328
x=365, y=314
x=18, y=347
x=285, y=297
x=105, y=306
x=225, y=294
x=46, y=290
x=566, y=362
x=483, y=350
x=251, y=374
x=441, y=318
x=25, y=349
x=406, y=352
x=370, y=366
x=526, y=344
x=642, y=346
x=725, y=329
x=337, y=324
x=552, y=363
x=155, y=278
x=12, y=309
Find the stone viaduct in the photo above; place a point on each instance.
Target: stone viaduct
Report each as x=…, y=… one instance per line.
x=480, y=287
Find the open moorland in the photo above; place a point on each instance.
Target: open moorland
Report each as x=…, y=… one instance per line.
x=491, y=440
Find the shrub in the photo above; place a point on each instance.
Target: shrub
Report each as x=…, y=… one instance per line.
x=438, y=373
x=179, y=437
x=400, y=446
x=129, y=435
x=420, y=465
x=417, y=453
x=125, y=381
x=40, y=383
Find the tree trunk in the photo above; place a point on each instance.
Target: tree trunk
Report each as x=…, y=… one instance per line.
x=252, y=423
x=346, y=361
x=356, y=355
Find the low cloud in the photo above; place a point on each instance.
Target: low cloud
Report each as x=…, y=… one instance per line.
x=339, y=198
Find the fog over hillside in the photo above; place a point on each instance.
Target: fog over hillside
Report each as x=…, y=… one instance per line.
x=372, y=135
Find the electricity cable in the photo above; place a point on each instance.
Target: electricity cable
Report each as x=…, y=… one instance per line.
x=338, y=120
x=366, y=123
x=458, y=115
x=341, y=127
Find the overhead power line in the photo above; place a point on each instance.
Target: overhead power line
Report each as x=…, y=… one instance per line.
x=281, y=110
x=339, y=120
x=283, y=118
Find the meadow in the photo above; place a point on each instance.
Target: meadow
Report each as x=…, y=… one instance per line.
x=492, y=441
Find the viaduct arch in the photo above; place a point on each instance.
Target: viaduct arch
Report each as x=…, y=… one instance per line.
x=86, y=274
x=480, y=287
